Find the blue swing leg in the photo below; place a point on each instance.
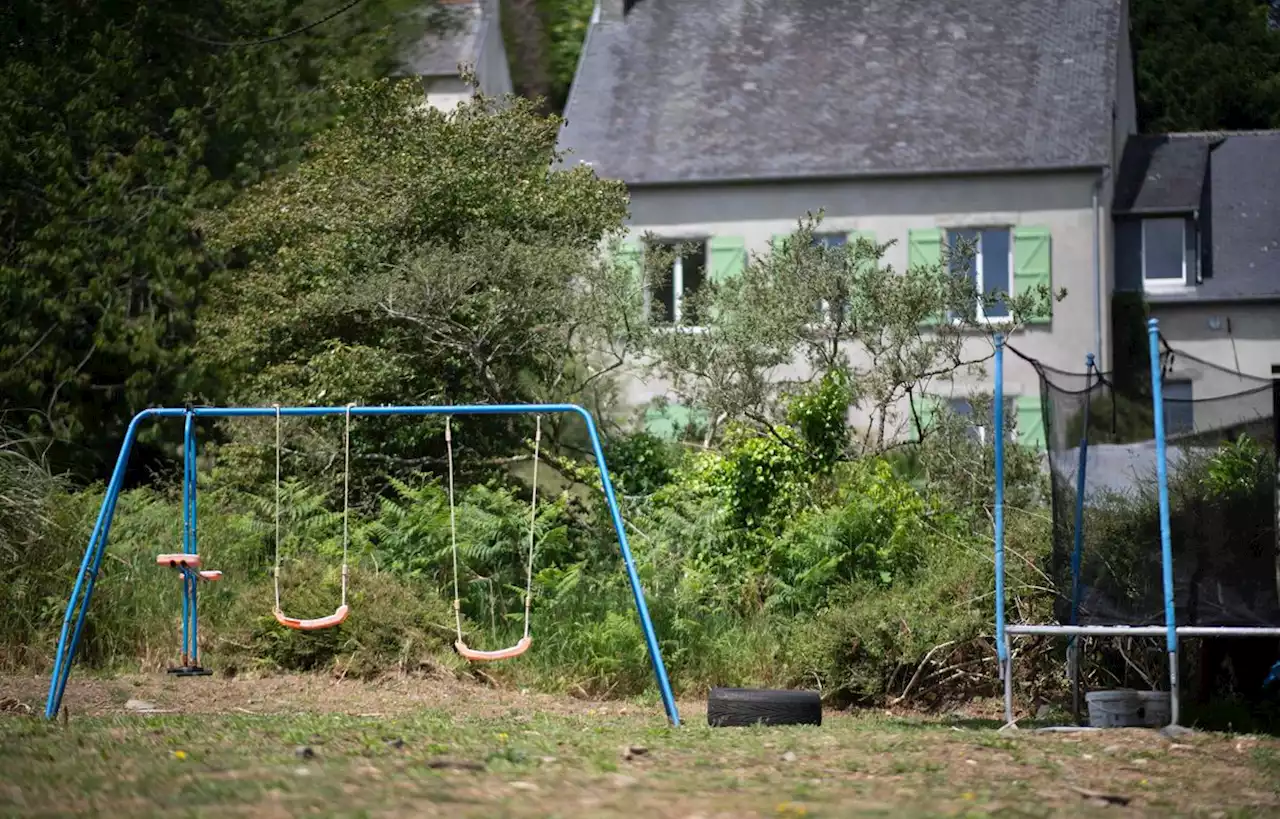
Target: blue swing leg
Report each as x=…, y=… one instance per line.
x=190, y=580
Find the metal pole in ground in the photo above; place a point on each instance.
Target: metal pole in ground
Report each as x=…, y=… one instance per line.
x=1073, y=644
x=1275, y=420
x=1166, y=545
x=1003, y=655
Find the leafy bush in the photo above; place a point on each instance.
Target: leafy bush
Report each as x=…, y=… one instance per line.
x=821, y=417
x=642, y=462
x=411, y=538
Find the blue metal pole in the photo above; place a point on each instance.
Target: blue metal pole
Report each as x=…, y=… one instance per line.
x=1166, y=545
x=186, y=535
x=193, y=585
x=1081, y=471
x=1077, y=551
x=1003, y=654
x=88, y=574
x=651, y=640
x=101, y=529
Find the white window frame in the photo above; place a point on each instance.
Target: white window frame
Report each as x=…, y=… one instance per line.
x=1010, y=406
x=1163, y=283
x=677, y=283
x=824, y=308
x=977, y=267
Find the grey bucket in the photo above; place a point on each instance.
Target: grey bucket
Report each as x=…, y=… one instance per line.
x=1114, y=709
x=1153, y=708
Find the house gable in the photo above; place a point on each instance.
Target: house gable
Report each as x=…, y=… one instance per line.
x=462, y=33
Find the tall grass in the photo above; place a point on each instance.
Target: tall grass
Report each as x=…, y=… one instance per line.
x=852, y=584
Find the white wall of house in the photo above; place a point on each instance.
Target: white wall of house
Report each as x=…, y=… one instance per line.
x=1238, y=336
x=889, y=209
x=445, y=93
x=1243, y=337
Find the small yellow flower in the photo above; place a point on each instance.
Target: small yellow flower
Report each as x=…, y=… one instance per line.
x=180, y=755
x=968, y=795
x=502, y=737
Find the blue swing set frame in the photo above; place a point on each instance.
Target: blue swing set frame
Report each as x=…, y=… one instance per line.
x=86, y=578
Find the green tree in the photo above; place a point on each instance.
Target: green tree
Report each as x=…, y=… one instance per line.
x=418, y=256
x=1206, y=64
x=120, y=125
x=777, y=328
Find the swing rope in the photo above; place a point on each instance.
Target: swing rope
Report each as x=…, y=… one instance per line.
x=341, y=613
x=520, y=647
x=533, y=519
x=276, y=573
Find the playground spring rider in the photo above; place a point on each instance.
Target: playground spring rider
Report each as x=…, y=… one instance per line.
x=187, y=562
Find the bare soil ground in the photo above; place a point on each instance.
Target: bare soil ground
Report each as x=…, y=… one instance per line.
x=292, y=745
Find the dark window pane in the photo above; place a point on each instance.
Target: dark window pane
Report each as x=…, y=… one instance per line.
x=1162, y=249
x=963, y=258
x=693, y=267
x=995, y=269
x=662, y=300
x=962, y=408
x=1179, y=412
x=830, y=239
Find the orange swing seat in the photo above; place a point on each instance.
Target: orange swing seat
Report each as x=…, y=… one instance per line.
x=314, y=624
x=489, y=656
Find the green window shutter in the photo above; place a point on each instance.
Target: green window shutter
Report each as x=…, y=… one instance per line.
x=1032, y=262
x=727, y=256
x=672, y=420
x=924, y=249
x=926, y=406
x=1030, y=419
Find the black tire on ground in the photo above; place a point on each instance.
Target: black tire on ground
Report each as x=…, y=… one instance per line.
x=736, y=707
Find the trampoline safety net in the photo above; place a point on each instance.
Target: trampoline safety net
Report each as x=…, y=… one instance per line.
x=1220, y=444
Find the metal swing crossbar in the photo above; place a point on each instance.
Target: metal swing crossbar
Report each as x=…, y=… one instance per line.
x=460, y=645
x=91, y=564
x=340, y=614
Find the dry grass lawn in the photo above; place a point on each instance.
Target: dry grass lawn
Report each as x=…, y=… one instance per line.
x=287, y=746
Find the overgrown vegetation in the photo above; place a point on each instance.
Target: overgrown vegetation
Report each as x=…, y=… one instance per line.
x=819, y=529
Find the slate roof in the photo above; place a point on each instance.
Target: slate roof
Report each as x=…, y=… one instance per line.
x=456, y=28
x=705, y=90
x=1161, y=173
x=1243, y=207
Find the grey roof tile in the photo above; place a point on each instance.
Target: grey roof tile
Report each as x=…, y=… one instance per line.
x=1161, y=173
x=701, y=90
x=1243, y=216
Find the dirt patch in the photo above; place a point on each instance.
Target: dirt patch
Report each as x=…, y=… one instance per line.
x=309, y=693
